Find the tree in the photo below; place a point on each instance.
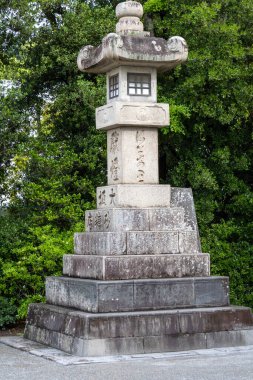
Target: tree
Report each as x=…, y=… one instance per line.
x=55, y=158
x=208, y=145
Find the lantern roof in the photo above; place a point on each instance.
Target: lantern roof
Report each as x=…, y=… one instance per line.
x=132, y=46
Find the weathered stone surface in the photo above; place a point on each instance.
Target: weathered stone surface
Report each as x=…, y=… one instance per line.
x=133, y=345
x=149, y=242
x=102, y=325
x=134, y=219
x=129, y=14
x=130, y=8
x=162, y=294
x=88, y=334
x=198, y=341
x=163, y=219
x=100, y=243
x=174, y=342
x=136, y=266
x=135, y=196
x=214, y=320
x=130, y=295
x=115, y=297
x=71, y=294
x=125, y=25
x=230, y=338
x=89, y=347
x=84, y=266
x=90, y=295
x=188, y=242
x=132, y=155
x=143, y=114
x=182, y=197
x=209, y=293
x=50, y=338
x=178, y=293
x=117, y=220
x=135, y=242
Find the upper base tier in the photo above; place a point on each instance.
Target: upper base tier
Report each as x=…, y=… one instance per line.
x=143, y=207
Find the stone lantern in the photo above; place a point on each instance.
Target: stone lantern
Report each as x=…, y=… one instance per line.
x=132, y=116
x=138, y=281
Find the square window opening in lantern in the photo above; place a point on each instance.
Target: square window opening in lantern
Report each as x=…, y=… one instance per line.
x=139, y=84
x=114, y=86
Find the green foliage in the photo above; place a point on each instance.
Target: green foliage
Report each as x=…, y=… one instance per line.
x=28, y=255
x=8, y=312
x=53, y=158
x=208, y=145
x=232, y=254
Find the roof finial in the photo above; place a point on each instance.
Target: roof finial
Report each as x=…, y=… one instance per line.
x=129, y=14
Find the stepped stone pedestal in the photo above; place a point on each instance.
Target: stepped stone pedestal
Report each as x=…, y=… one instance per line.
x=138, y=281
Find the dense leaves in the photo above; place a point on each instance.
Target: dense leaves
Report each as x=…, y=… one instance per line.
x=52, y=158
x=208, y=145
x=7, y=312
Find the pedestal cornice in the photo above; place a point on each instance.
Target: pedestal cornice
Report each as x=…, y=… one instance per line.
x=119, y=114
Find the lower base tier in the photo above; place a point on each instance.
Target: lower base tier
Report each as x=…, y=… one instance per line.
x=87, y=334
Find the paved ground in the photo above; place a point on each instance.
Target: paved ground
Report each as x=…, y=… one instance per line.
x=215, y=364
